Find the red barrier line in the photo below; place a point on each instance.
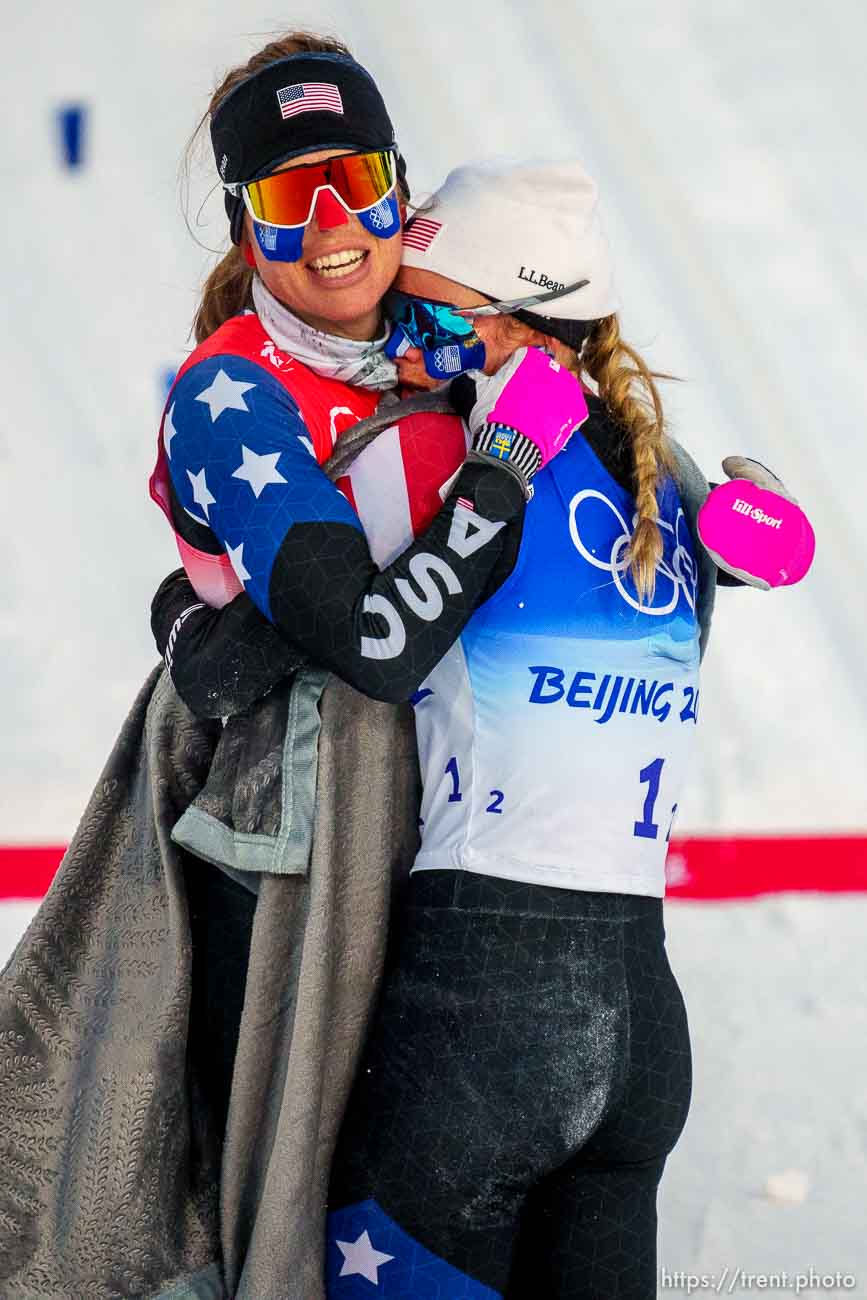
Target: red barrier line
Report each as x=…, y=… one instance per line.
x=26, y=870
x=742, y=866
x=706, y=866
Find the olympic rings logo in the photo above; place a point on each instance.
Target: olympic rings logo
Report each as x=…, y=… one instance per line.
x=680, y=571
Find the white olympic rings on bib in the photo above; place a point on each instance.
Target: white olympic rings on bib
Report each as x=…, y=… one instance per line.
x=681, y=572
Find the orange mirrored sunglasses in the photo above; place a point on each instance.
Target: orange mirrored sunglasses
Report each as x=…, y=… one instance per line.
x=287, y=198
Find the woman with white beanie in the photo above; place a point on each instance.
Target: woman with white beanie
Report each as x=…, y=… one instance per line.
x=529, y=1069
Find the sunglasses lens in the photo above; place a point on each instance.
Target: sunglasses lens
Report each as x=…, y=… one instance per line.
x=363, y=179
x=284, y=198
x=429, y=324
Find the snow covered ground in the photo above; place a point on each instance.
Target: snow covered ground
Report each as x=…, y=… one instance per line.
x=777, y=1003
x=15, y=916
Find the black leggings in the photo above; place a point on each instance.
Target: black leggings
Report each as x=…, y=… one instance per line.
x=527, y=1073
x=221, y=924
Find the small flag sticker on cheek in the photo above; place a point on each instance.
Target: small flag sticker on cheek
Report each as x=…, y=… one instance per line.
x=420, y=233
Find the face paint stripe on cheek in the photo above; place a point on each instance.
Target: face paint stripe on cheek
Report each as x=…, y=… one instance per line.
x=279, y=243
x=383, y=219
x=352, y=301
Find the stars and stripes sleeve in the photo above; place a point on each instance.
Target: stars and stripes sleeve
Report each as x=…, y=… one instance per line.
x=243, y=466
x=243, y=470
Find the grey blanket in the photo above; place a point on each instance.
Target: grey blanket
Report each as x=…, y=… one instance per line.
x=111, y=1183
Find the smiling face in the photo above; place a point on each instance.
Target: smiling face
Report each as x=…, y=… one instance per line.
x=344, y=270
x=501, y=335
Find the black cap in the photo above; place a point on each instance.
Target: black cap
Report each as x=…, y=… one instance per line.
x=294, y=106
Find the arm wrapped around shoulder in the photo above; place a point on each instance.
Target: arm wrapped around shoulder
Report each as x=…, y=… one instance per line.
x=754, y=529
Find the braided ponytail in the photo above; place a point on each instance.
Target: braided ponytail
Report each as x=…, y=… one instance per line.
x=626, y=386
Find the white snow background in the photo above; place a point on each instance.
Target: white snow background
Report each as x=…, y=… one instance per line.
x=729, y=139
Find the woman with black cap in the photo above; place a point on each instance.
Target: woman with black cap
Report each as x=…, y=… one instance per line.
x=529, y=1069
x=290, y=354
x=313, y=181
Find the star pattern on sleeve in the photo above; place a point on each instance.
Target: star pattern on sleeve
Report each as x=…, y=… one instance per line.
x=201, y=493
x=258, y=470
x=236, y=559
x=239, y=455
x=169, y=430
x=224, y=394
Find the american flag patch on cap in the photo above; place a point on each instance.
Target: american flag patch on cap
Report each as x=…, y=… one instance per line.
x=309, y=97
x=420, y=233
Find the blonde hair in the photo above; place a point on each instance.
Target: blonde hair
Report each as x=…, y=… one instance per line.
x=627, y=387
x=227, y=290
x=625, y=384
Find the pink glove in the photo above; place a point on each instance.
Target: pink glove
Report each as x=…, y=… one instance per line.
x=754, y=529
x=531, y=398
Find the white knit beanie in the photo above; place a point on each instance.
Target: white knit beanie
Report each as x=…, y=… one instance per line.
x=510, y=229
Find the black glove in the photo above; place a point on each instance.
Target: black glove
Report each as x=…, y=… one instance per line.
x=220, y=660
